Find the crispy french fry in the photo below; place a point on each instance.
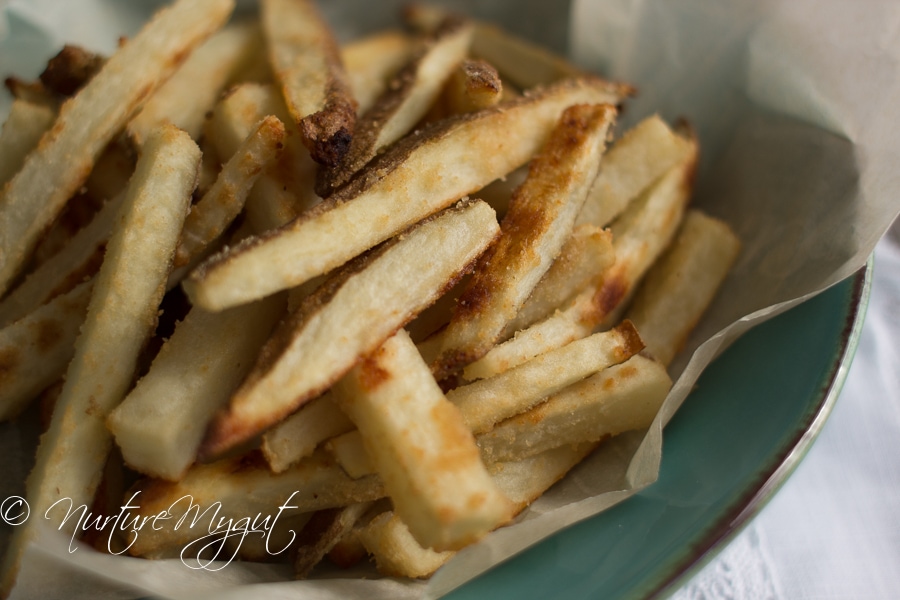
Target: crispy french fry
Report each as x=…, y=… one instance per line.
x=350, y=316
x=680, y=285
x=35, y=350
x=21, y=132
x=63, y=159
x=161, y=422
x=486, y=402
x=80, y=259
x=581, y=262
x=350, y=452
x=298, y=435
x=70, y=70
x=325, y=529
x=307, y=65
x=213, y=213
x=193, y=89
x=396, y=551
x=121, y=316
x=286, y=189
x=414, y=178
x=235, y=488
x=621, y=398
x=643, y=155
x=371, y=62
x=534, y=230
x=474, y=85
x=421, y=447
x=408, y=98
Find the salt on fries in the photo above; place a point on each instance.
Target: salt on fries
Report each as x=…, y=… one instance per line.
x=333, y=211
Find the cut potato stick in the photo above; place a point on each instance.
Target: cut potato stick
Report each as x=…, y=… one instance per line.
x=350, y=316
x=285, y=189
x=414, y=178
x=210, y=494
x=121, y=316
x=298, y=435
x=371, y=62
x=193, y=89
x=581, y=262
x=161, y=422
x=21, y=132
x=214, y=212
x=86, y=123
x=474, y=85
x=35, y=350
x=486, y=402
x=396, y=551
x=539, y=221
x=350, y=452
x=681, y=284
x=78, y=260
x=408, y=98
x=640, y=157
x=325, y=529
x=420, y=447
x=622, y=398
x=307, y=65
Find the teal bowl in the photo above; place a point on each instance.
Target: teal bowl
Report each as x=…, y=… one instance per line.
x=751, y=418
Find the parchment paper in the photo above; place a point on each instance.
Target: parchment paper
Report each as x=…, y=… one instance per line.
x=792, y=104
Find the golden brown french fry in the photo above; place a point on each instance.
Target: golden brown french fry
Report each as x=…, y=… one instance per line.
x=298, y=435
x=640, y=157
x=539, y=221
x=35, y=350
x=87, y=122
x=307, y=65
x=351, y=315
x=681, y=284
x=209, y=495
x=160, y=424
x=70, y=69
x=371, y=62
x=474, y=85
x=408, y=98
x=79, y=259
x=22, y=130
x=396, y=551
x=486, y=402
x=421, y=447
x=193, y=89
x=414, y=178
x=214, y=212
x=622, y=398
x=121, y=316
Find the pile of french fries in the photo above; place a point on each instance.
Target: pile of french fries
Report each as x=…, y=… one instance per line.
x=406, y=284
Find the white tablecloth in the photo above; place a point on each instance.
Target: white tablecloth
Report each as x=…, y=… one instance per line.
x=833, y=530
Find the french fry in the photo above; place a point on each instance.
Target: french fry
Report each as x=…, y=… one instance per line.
x=486, y=402
x=35, y=350
x=581, y=262
x=70, y=70
x=642, y=155
x=622, y=398
x=322, y=532
x=307, y=65
x=396, y=551
x=214, y=212
x=161, y=422
x=111, y=172
x=285, y=189
x=474, y=85
x=680, y=285
x=33, y=92
x=21, y=132
x=350, y=452
x=371, y=62
x=408, y=98
x=420, y=447
x=298, y=435
x=235, y=488
x=64, y=270
x=426, y=172
x=193, y=89
x=534, y=230
x=350, y=316
x=121, y=316
x=87, y=122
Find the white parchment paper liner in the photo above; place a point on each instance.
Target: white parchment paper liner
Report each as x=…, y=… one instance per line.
x=792, y=103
